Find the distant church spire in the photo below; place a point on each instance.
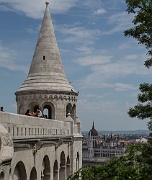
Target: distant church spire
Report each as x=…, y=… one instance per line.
x=93, y=125
x=47, y=3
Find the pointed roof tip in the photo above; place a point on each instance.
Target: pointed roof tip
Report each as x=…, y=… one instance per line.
x=47, y=3
x=93, y=124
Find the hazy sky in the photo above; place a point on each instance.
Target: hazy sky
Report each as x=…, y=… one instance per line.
x=100, y=62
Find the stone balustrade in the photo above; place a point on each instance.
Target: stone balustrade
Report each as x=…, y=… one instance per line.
x=22, y=126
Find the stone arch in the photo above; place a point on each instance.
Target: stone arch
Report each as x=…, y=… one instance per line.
x=33, y=174
x=55, y=170
x=68, y=109
x=68, y=167
x=62, y=172
x=73, y=112
x=45, y=172
x=49, y=110
x=20, y=171
x=62, y=159
x=34, y=106
x=77, y=161
x=2, y=175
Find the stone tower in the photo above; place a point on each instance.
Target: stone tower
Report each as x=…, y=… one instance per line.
x=46, y=86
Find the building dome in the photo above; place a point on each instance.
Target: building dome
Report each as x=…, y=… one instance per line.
x=93, y=131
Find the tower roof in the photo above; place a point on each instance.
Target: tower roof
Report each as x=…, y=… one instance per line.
x=46, y=70
x=93, y=131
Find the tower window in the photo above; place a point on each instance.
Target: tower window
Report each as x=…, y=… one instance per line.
x=43, y=57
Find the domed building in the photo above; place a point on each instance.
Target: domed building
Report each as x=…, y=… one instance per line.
x=90, y=142
x=93, y=131
x=93, y=138
x=98, y=148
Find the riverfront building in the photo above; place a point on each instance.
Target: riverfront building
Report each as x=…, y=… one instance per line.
x=98, y=148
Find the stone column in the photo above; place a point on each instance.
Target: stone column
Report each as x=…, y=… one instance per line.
x=56, y=174
x=68, y=171
x=46, y=176
x=62, y=174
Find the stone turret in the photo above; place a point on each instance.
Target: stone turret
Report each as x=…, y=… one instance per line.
x=46, y=86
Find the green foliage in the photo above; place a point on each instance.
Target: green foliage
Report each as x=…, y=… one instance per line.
x=135, y=165
x=144, y=108
x=142, y=30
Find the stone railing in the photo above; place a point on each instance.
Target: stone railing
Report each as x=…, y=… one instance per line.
x=21, y=126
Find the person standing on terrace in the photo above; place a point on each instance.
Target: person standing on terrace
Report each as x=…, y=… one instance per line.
x=28, y=113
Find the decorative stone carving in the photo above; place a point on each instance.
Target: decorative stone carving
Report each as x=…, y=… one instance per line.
x=6, y=139
x=48, y=96
x=6, y=145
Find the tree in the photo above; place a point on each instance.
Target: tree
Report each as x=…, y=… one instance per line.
x=142, y=30
x=144, y=108
x=135, y=164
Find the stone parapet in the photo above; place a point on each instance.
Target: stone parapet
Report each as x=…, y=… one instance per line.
x=22, y=126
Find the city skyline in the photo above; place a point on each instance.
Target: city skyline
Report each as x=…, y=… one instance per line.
x=100, y=62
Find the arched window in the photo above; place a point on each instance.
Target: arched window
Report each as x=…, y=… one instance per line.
x=62, y=159
x=68, y=109
x=55, y=170
x=68, y=167
x=2, y=175
x=62, y=172
x=77, y=162
x=20, y=172
x=73, y=112
x=45, y=172
x=33, y=175
x=33, y=107
x=48, y=110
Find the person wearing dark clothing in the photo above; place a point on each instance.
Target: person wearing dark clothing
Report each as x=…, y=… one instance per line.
x=2, y=109
x=28, y=113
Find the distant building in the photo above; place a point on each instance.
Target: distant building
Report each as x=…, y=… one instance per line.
x=99, y=148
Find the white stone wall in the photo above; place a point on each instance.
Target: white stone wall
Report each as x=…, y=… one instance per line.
x=21, y=125
x=56, y=142
x=31, y=160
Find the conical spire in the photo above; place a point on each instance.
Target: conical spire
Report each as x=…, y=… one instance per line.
x=46, y=70
x=93, y=125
